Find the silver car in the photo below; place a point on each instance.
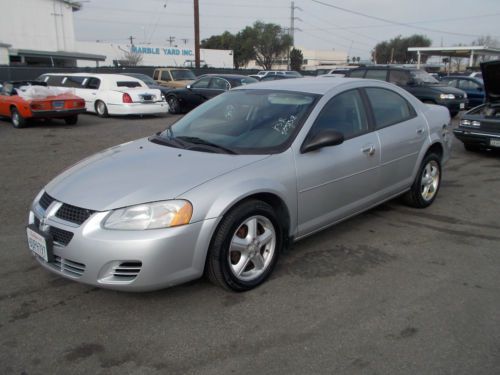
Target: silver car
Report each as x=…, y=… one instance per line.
x=230, y=185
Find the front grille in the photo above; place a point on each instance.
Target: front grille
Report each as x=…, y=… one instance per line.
x=45, y=201
x=73, y=214
x=491, y=126
x=68, y=266
x=60, y=236
x=127, y=271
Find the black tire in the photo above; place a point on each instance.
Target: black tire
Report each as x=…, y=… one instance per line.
x=18, y=121
x=221, y=261
x=418, y=196
x=71, y=120
x=471, y=147
x=101, y=109
x=174, y=106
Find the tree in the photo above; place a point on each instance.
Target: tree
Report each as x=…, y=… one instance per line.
x=488, y=41
x=241, y=44
x=270, y=43
x=296, y=59
x=396, y=50
x=131, y=58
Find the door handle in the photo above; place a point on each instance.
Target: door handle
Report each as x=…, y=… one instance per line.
x=368, y=149
x=420, y=130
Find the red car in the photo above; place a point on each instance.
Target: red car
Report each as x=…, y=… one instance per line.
x=24, y=100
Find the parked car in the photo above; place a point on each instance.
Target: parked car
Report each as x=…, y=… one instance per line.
x=224, y=195
x=474, y=88
x=173, y=77
x=206, y=87
x=290, y=73
x=478, y=75
x=479, y=128
x=150, y=82
x=110, y=94
x=276, y=77
x=25, y=100
x=419, y=83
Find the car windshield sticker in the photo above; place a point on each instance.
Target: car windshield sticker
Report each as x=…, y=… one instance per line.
x=284, y=126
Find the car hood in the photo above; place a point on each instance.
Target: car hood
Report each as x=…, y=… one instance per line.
x=445, y=89
x=139, y=172
x=491, y=79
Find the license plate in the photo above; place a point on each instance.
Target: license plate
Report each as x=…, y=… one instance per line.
x=462, y=105
x=39, y=244
x=58, y=104
x=495, y=142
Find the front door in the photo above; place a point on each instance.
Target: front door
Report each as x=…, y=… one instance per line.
x=338, y=181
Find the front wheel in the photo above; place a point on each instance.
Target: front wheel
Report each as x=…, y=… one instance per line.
x=18, y=121
x=427, y=183
x=174, y=107
x=245, y=247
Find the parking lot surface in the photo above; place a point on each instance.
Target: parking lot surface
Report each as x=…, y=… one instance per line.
x=392, y=291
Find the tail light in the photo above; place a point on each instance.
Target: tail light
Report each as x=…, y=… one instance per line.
x=126, y=98
x=78, y=103
x=40, y=106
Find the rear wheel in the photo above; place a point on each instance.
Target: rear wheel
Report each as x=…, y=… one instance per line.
x=18, y=121
x=245, y=247
x=426, y=185
x=174, y=107
x=71, y=120
x=101, y=109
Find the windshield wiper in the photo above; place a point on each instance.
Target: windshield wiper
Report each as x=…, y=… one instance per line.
x=167, y=141
x=204, y=142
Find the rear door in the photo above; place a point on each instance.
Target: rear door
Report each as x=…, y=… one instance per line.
x=402, y=134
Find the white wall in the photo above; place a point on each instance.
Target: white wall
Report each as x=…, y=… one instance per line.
x=45, y=25
x=4, y=56
x=154, y=55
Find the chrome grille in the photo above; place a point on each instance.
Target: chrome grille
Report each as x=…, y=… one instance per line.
x=60, y=235
x=68, y=266
x=45, y=201
x=127, y=271
x=73, y=214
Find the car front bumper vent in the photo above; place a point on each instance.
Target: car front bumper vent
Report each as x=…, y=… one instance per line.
x=68, y=267
x=127, y=271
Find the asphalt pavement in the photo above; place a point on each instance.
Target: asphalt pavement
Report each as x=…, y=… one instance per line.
x=392, y=291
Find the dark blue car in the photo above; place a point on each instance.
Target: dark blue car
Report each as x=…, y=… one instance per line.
x=474, y=87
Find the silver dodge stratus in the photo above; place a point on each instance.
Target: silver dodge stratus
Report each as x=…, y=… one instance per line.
x=227, y=187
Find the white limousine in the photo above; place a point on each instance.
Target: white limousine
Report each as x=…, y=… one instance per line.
x=110, y=94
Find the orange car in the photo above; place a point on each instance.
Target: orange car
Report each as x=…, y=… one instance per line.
x=24, y=100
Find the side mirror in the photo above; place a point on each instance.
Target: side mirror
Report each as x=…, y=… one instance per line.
x=323, y=138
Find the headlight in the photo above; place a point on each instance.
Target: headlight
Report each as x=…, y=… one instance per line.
x=476, y=123
x=150, y=216
x=447, y=96
x=465, y=122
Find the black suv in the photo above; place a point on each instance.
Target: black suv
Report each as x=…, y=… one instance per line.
x=418, y=82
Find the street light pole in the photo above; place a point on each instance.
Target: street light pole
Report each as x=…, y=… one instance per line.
x=196, y=34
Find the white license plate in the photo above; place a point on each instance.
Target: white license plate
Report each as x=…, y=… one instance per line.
x=462, y=105
x=495, y=142
x=37, y=244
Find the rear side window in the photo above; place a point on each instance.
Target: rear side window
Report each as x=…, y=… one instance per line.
x=357, y=73
x=156, y=75
x=128, y=84
x=94, y=83
x=398, y=77
x=71, y=81
x=219, y=84
x=380, y=74
x=389, y=107
x=53, y=80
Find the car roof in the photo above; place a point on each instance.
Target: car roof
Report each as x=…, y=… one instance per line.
x=226, y=76
x=313, y=85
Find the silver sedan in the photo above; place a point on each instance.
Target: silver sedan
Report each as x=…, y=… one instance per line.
x=227, y=187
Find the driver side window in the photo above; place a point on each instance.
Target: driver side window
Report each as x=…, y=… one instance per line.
x=344, y=113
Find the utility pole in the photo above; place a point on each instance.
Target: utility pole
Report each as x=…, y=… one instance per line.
x=196, y=34
x=292, y=27
x=170, y=40
x=131, y=38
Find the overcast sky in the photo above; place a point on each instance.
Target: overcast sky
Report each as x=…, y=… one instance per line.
x=445, y=22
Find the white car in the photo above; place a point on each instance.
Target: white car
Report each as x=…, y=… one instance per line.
x=110, y=94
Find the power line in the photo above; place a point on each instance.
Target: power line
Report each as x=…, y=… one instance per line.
x=390, y=21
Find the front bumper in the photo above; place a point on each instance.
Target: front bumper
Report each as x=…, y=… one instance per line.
x=454, y=105
x=124, y=109
x=477, y=137
x=126, y=260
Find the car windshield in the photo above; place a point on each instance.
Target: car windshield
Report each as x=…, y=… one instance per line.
x=182, y=75
x=421, y=76
x=243, y=121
